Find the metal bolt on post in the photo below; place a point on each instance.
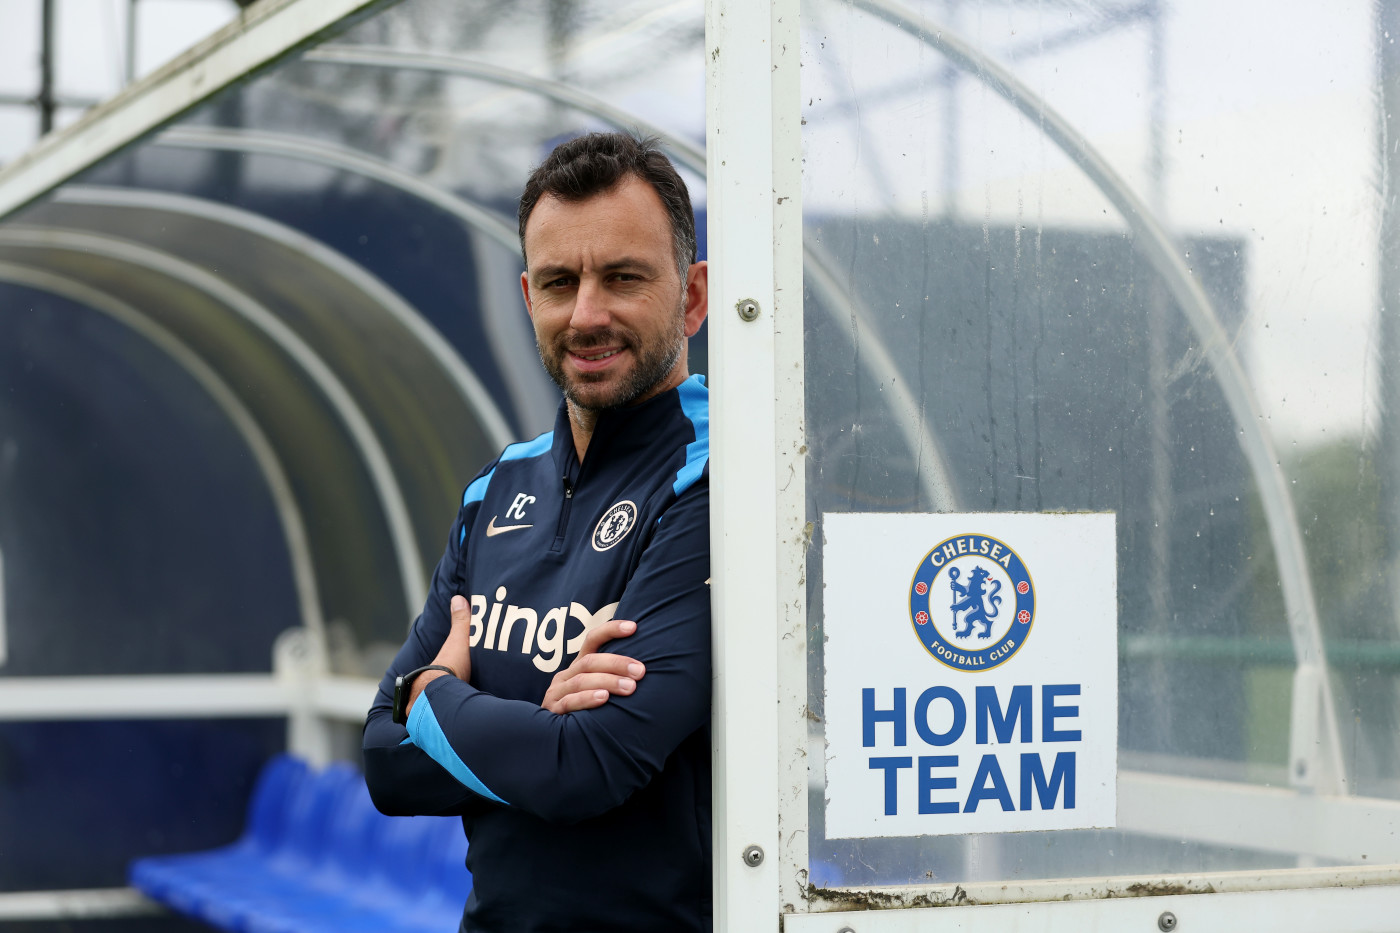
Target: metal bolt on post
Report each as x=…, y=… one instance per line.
x=753, y=856
x=1166, y=922
x=748, y=309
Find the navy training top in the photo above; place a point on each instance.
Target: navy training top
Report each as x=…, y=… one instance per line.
x=598, y=819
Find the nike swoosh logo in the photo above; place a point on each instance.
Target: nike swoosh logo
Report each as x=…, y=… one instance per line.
x=492, y=529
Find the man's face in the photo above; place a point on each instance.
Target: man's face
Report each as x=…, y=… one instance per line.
x=610, y=309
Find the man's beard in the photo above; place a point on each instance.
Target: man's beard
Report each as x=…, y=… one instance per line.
x=651, y=366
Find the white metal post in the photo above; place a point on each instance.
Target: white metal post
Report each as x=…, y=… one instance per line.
x=299, y=661
x=756, y=459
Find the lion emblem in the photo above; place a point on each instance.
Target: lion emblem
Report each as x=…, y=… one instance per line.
x=981, y=606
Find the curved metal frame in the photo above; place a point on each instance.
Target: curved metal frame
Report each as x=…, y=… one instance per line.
x=458, y=372
x=386, y=486
x=318, y=153
x=264, y=454
x=1310, y=680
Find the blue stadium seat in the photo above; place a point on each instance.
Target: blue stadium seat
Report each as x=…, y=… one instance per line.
x=315, y=857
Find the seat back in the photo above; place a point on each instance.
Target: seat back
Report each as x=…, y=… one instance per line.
x=270, y=803
x=312, y=813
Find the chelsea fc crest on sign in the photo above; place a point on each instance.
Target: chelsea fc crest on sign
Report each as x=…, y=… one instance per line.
x=972, y=602
x=614, y=525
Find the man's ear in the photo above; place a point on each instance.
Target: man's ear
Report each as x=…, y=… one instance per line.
x=697, y=297
x=525, y=292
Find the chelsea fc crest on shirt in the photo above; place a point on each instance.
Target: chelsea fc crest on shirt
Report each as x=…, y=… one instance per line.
x=614, y=525
x=971, y=602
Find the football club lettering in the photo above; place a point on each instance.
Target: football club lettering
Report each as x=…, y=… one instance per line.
x=941, y=717
x=972, y=602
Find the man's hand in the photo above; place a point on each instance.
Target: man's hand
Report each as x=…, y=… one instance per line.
x=593, y=677
x=456, y=651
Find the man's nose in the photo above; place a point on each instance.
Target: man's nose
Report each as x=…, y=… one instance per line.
x=590, y=307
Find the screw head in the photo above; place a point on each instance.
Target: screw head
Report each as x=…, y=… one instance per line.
x=1166, y=922
x=748, y=309
x=753, y=856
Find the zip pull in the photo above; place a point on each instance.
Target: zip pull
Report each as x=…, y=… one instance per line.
x=563, y=514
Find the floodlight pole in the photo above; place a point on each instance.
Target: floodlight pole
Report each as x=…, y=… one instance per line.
x=130, y=64
x=46, y=102
x=757, y=458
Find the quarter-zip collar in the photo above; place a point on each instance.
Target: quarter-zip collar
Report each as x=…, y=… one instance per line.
x=618, y=432
x=621, y=435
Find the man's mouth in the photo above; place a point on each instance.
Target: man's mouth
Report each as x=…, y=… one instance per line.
x=595, y=360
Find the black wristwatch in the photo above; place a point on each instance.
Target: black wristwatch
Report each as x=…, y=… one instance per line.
x=403, y=689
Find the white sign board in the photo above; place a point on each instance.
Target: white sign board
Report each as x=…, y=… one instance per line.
x=971, y=673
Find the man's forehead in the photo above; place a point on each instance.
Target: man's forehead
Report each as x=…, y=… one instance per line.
x=627, y=216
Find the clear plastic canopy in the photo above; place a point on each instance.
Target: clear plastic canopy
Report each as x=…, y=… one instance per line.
x=1084, y=255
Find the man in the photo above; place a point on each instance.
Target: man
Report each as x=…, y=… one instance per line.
x=582, y=777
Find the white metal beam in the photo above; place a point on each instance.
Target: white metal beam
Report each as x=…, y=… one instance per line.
x=260, y=35
x=755, y=249
x=16, y=906
x=1358, y=830
x=1363, y=905
x=180, y=696
x=983, y=893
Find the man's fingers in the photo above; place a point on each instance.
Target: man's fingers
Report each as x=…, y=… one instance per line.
x=618, y=664
x=579, y=685
x=461, y=611
x=593, y=677
x=573, y=702
x=455, y=651
x=600, y=635
x=585, y=691
x=622, y=686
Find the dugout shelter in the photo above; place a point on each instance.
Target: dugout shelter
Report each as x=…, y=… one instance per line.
x=1001, y=261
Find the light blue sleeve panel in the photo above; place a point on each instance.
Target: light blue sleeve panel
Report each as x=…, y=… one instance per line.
x=695, y=403
x=477, y=490
x=427, y=734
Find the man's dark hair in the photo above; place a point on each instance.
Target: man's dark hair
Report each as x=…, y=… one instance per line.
x=598, y=162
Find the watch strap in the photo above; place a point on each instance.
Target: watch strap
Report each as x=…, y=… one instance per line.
x=403, y=689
